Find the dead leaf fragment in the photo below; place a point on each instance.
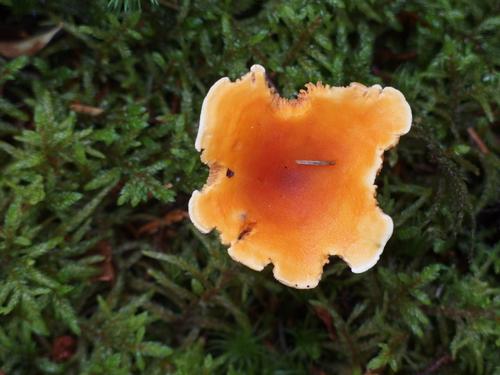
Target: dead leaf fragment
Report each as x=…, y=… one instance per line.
x=63, y=348
x=107, y=269
x=477, y=140
x=86, y=109
x=326, y=318
x=28, y=46
x=170, y=218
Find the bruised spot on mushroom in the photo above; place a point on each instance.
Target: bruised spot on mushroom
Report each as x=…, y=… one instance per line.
x=306, y=173
x=246, y=230
x=252, y=77
x=214, y=173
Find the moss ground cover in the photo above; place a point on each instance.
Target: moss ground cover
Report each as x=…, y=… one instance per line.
x=101, y=272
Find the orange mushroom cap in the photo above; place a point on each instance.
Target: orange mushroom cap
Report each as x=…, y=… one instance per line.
x=292, y=181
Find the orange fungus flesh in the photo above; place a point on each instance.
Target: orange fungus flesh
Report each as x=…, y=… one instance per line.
x=292, y=181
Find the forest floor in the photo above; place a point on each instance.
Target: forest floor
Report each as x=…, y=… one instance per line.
x=101, y=270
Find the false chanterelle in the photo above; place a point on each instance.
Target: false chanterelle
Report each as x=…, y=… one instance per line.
x=291, y=182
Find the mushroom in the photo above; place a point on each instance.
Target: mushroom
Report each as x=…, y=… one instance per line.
x=291, y=182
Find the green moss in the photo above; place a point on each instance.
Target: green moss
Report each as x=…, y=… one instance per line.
x=77, y=191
